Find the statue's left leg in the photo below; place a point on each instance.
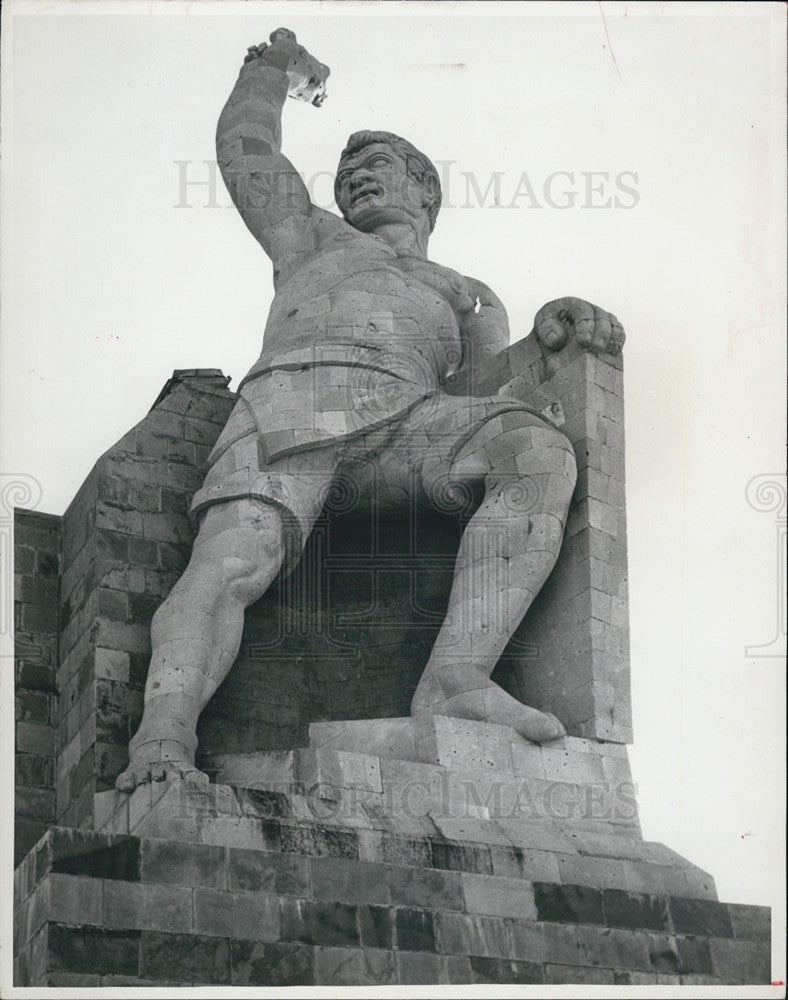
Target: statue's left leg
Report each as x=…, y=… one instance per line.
x=507, y=551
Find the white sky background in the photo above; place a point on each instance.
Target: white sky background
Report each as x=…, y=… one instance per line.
x=107, y=287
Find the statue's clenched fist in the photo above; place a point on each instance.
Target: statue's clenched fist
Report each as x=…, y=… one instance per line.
x=307, y=76
x=593, y=328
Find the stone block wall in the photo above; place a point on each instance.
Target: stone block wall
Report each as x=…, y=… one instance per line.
x=37, y=542
x=126, y=539
x=76, y=716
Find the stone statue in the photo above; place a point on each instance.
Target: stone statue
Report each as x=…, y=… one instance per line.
x=362, y=344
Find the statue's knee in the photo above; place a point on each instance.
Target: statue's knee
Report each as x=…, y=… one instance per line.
x=552, y=451
x=569, y=457
x=246, y=580
x=546, y=472
x=158, y=624
x=544, y=448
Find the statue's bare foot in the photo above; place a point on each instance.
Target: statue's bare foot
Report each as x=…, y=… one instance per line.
x=155, y=760
x=464, y=693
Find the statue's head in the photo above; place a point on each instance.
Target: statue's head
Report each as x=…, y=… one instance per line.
x=380, y=173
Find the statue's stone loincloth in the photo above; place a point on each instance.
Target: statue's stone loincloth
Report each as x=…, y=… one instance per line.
x=296, y=424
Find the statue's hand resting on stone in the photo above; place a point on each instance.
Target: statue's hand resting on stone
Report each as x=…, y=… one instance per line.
x=307, y=76
x=593, y=328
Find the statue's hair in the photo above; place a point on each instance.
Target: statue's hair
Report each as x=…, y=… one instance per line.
x=418, y=166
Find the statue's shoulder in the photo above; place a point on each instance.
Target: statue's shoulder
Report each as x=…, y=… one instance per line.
x=486, y=327
x=485, y=294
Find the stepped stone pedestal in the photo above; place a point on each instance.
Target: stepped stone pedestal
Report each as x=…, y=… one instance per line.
x=477, y=859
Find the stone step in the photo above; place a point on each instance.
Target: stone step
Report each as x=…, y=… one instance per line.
x=527, y=848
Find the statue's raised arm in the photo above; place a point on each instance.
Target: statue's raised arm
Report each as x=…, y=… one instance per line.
x=264, y=185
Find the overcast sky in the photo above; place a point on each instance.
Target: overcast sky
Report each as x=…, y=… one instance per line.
x=108, y=286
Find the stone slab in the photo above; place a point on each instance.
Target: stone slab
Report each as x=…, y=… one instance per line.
x=381, y=829
x=249, y=769
x=380, y=737
x=453, y=742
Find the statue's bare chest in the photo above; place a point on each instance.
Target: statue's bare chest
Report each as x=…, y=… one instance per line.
x=357, y=287
x=365, y=269
x=445, y=283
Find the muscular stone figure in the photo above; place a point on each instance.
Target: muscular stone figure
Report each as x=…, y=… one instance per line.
x=363, y=337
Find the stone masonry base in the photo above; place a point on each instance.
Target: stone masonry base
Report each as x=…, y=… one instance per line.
x=490, y=861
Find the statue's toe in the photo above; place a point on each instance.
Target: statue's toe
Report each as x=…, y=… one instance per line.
x=126, y=782
x=553, y=729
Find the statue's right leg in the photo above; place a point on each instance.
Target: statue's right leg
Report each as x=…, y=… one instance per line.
x=197, y=631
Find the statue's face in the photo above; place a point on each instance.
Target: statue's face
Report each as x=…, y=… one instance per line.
x=373, y=187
